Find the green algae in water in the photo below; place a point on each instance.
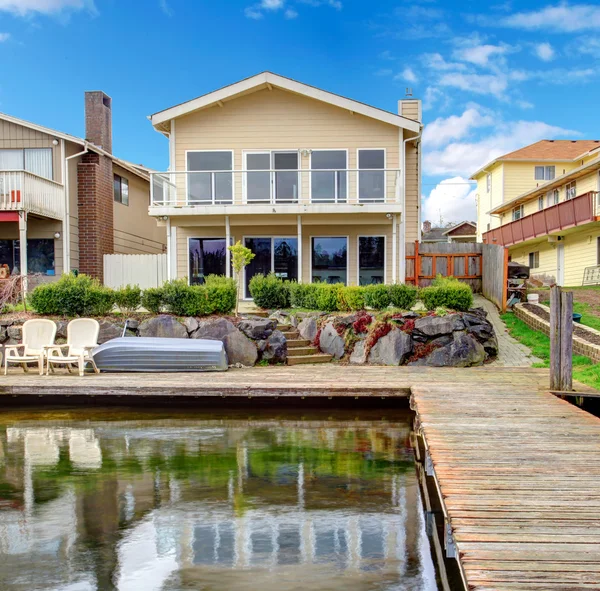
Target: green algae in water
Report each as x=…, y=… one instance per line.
x=173, y=500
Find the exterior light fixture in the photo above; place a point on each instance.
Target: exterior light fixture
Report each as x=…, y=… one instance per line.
x=55, y=142
x=57, y=235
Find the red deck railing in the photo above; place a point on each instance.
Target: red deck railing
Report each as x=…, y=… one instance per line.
x=567, y=214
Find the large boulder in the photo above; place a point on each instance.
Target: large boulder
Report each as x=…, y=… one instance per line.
x=273, y=349
x=15, y=333
x=240, y=349
x=191, y=324
x=464, y=351
x=61, y=329
x=434, y=326
x=281, y=317
x=108, y=331
x=308, y=328
x=491, y=346
x=163, y=326
x=481, y=332
x=331, y=342
x=358, y=355
x=215, y=329
x=391, y=349
x=258, y=328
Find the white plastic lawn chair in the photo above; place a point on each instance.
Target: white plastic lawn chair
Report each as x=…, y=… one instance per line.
x=82, y=338
x=37, y=336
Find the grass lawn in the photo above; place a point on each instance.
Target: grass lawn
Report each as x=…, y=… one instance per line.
x=584, y=369
x=589, y=314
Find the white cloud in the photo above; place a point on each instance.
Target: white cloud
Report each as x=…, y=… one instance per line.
x=433, y=96
x=24, y=7
x=4, y=37
x=443, y=130
x=562, y=18
x=587, y=46
x=452, y=200
x=544, y=51
x=435, y=61
x=271, y=4
x=386, y=55
x=494, y=84
x=480, y=54
x=384, y=72
x=407, y=75
x=464, y=158
x=165, y=7
x=290, y=14
x=257, y=11
x=253, y=13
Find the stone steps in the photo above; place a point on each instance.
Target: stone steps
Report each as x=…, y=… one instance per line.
x=299, y=351
x=306, y=359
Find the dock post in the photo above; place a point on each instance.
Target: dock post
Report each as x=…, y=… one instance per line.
x=555, y=339
x=566, y=341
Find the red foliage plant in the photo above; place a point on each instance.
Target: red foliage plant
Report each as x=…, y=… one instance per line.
x=408, y=326
x=378, y=332
x=422, y=350
x=317, y=341
x=361, y=324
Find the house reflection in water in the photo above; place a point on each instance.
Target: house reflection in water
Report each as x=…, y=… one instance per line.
x=170, y=504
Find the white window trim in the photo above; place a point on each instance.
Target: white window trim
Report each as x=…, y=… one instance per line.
x=512, y=213
x=573, y=185
x=310, y=244
x=310, y=168
x=385, y=267
x=187, y=254
x=542, y=202
x=188, y=172
x=272, y=238
x=358, y=171
x=488, y=182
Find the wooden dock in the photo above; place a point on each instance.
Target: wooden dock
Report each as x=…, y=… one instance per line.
x=518, y=472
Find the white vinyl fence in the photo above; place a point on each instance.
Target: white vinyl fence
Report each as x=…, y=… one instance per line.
x=145, y=270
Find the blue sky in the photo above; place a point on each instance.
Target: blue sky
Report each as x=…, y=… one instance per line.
x=493, y=76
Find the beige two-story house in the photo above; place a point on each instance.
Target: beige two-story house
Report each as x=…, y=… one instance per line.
x=67, y=201
x=320, y=187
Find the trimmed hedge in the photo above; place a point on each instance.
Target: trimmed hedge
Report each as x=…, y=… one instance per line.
x=447, y=292
x=128, y=298
x=73, y=296
x=268, y=291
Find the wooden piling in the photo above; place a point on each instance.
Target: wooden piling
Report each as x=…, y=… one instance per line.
x=555, y=339
x=566, y=340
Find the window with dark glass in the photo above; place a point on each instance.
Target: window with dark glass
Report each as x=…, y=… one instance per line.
x=371, y=260
x=534, y=259
x=272, y=255
x=329, y=259
x=121, y=190
x=207, y=256
x=212, y=183
x=328, y=186
x=40, y=255
x=371, y=175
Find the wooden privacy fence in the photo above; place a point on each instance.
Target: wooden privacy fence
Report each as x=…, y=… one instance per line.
x=145, y=270
x=494, y=277
x=426, y=260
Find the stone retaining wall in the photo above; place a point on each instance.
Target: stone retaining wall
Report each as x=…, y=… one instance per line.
x=580, y=346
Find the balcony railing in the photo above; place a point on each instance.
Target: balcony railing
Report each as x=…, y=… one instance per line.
x=275, y=187
x=24, y=191
x=551, y=220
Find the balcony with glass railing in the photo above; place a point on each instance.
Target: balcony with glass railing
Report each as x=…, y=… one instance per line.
x=21, y=190
x=208, y=189
x=565, y=215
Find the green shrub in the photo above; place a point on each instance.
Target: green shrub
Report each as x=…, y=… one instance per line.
x=447, y=292
x=327, y=296
x=351, y=298
x=268, y=291
x=153, y=299
x=128, y=298
x=377, y=296
x=73, y=296
x=182, y=299
x=222, y=293
x=298, y=294
x=403, y=296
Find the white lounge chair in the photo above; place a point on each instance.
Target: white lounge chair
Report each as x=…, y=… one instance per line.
x=82, y=338
x=37, y=335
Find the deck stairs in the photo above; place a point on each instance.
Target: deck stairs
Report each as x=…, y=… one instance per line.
x=301, y=351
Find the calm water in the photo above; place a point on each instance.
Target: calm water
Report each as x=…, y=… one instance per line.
x=172, y=500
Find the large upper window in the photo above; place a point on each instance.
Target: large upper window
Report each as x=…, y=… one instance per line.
x=207, y=256
x=121, y=190
x=544, y=173
x=35, y=160
x=331, y=184
x=272, y=177
x=371, y=175
x=371, y=260
x=329, y=260
x=212, y=183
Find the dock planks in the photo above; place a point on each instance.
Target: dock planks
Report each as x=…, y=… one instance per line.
x=518, y=471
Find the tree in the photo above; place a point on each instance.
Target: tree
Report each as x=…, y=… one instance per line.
x=240, y=257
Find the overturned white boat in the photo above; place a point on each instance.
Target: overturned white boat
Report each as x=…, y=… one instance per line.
x=149, y=354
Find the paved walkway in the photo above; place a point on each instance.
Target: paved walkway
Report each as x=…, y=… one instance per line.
x=510, y=352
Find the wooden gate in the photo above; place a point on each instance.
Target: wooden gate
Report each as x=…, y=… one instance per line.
x=425, y=261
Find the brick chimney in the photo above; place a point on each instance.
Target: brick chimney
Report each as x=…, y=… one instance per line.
x=95, y=188
x=426, y=226
x=98, y=119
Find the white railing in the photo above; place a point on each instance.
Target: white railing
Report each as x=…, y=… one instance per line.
x=271, y=187
x=24, y=191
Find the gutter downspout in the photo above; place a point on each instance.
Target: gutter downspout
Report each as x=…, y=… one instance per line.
x=402, y=245
x=67, y=224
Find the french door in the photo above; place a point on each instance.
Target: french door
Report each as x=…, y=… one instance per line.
x=272, y=255
x=272, y=177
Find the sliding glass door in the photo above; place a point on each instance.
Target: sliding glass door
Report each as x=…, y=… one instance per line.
x=272, y=255
x=272, y=177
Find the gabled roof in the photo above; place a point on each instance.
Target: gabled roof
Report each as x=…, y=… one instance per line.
x=268, y=79
x=134, y=168
x=434, y=235
x=454, y=228
x=552, y=150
